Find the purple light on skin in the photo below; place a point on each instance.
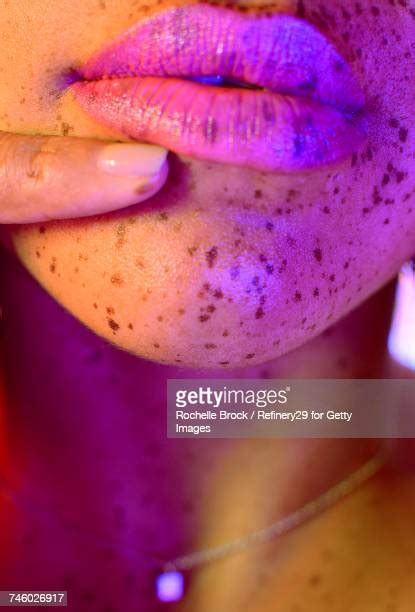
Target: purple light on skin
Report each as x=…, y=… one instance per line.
x=170, y=586
x=401, y=342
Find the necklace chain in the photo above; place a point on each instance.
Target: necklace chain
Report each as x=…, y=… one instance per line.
x=261, y=536
x=285, y=524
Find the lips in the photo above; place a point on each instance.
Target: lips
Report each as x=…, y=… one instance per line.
x=285, y=100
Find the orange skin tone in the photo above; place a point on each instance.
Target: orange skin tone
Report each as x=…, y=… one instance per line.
x=101, y=416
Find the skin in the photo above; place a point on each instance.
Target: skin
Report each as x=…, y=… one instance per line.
x=115, y=485
x=225, y=266
x=88, y=438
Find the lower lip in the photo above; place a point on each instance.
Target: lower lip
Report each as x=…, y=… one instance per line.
x=255, y=128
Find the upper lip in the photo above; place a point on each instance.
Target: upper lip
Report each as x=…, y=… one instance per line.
x=279, y=53
x=308, y=112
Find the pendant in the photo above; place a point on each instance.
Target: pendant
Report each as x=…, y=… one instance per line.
x=170, y=586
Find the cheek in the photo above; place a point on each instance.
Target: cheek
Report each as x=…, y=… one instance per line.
x=205, y=278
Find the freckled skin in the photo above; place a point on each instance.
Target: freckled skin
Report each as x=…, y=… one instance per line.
x=317, y=244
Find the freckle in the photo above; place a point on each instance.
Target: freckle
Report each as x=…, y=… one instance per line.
x=181, y=311
x=394, y=123
x=192, y=250
x=130, y=326
x=225, y=333
x=269, y=226
x=269, y=269
x=113, y=325
x=95, y=305
x=376, y=197
x=318, y=255
x=326, y=210
x=110, y=310
x=316, y=292
x=163, y=216
x=250, y=356
x=259, y=313
x=224, y=363
x=116, y=279
x=121, y=234
x=257, y=194
x=156, y=345
x=297, y=296
x=203, y=318
x=211, y=256
x=38, y=254
x=218, y=294
x=336, y=190
x=403, y=134
x=42, y=229
x=315, y=580
x=386, y=222
x=210, y=345
x=66, y=128
x=400, y=176
x=160, y=318
x=211, y=308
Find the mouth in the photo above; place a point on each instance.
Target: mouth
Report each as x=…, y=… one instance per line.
x=267, y=92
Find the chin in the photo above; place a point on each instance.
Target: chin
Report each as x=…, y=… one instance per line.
x=206, y=273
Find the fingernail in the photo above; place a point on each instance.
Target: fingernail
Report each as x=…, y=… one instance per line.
x=132, y=159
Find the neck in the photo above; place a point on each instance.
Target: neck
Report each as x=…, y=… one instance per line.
x=91, y=443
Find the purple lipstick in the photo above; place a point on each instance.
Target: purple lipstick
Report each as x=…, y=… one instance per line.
x=271, y=93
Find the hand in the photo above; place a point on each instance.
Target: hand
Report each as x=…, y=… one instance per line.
x=55, y=177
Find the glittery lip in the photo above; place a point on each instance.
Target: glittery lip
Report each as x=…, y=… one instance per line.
x=301, y=107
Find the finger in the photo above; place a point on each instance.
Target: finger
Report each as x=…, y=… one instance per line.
x=54, y=177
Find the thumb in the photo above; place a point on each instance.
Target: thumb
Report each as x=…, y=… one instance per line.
x=55, y=177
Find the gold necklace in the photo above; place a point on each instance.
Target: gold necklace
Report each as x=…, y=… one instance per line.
x=169, y=582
